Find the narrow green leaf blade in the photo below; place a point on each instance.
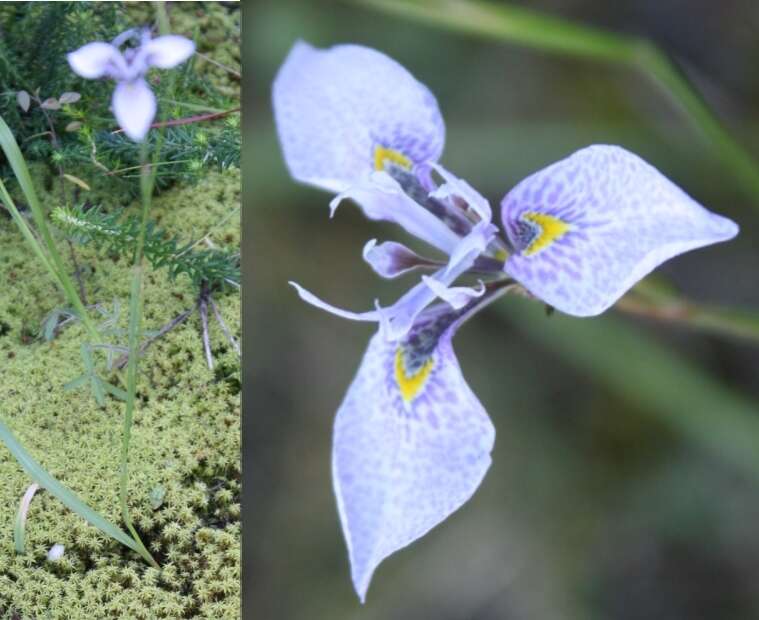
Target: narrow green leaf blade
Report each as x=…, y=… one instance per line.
x=642, y=371
x=115, y=391
x=18, y=164
x=63, y=493
x=76, y=383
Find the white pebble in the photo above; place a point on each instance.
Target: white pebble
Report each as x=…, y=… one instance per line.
x=56, y=552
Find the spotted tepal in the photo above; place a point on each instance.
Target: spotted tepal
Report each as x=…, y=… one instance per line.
x=411, y=440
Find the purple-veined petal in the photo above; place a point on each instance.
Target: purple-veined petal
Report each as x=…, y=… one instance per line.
x=397, y=320
x=382, y=198
x=96, y=60
x=455, y=296
x=455, y=187
x=168, y=51
x=402, y=315
x=134, y=107
x=587, y=228
x=411, y=444
x=405, y=311
x=343, y=111
x=391, y=259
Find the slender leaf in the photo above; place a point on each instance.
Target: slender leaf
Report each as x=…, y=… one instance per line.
x=115, y=391
x=53, y=258
x=648, y=374
x=63, y=493
x=76, y=383
x=546, y=32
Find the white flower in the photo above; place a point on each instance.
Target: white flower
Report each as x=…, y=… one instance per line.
x=134, y=104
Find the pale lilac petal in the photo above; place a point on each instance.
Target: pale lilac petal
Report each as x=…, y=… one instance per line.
x=96, y=60
x=308, y=297
x=391, y=259
x=402, y=314
x=398, y=319
x=472, y=245
x=167, y=51
x=134, y=106
x=615, y=218
x=123, y=37
x=405, y=456
x=382, y=198
x=335, y=107
x=455, y=187
x=455, y=296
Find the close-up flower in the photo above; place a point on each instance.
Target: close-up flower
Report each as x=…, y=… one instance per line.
x=411, y=441
x=134, y=104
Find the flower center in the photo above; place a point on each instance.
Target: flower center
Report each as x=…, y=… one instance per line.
x=539, y=230
x=411, y=383
x=384, y=156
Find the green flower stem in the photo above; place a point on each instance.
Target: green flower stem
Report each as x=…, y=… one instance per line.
x=733, y=322
x=147, y=181
x=52, y=259
x=162, y=17
x=552, y=34
x=135, y=320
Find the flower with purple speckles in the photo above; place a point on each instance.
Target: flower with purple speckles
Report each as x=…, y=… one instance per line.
x=134, y=103
x=411, y=441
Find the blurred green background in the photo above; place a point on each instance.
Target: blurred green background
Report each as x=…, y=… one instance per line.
x=625, y=470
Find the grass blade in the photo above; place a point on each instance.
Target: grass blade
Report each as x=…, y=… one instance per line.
x=63, y=493
x=648, y=374
x=536, y=30
x=53, y=261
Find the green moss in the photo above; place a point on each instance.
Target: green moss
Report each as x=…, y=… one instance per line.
x=185, y=438
x=218, y=36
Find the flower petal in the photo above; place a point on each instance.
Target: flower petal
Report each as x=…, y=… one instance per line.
x=347, y=110
x=455, y=187
x=587, y=228
x=398, y=319
x=391, y=259
x=395, y=320
x=455, y=296
x=134, y=106
x=471, y=246
x=312, y=299
x=168, y=51
x=411, y=444
x=96, y=60
x=382, y=198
